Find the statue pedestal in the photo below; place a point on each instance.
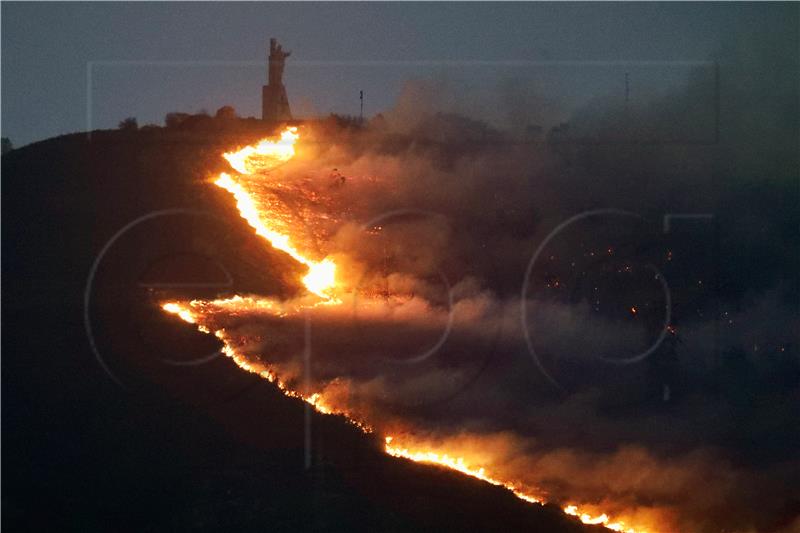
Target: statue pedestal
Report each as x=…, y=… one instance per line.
x=275, y=103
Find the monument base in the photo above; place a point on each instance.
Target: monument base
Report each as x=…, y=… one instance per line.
x=275, y=103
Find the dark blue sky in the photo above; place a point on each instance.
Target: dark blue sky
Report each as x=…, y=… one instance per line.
x=152, y=58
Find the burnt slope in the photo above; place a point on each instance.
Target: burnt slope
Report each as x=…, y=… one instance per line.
x=180, y=447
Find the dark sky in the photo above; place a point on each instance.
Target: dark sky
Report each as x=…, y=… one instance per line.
x=153, y=58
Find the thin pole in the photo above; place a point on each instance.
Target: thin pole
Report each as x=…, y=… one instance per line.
x=627, y=88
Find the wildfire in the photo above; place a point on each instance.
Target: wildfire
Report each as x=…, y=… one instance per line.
x=600, y=520
x=455, y=463
x=264, y=156
x=461, y=465
x=321, y=281
x=175, y=308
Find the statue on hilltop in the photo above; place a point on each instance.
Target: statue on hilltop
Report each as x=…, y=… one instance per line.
x=274, y=101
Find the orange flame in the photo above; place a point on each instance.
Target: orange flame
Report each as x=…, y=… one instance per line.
x=262, y=157
x=456, y=463
x=193, y=313
x=185, y=314
x=461, y=465
x=190, y=313
x=601, y=519
x=265, y=155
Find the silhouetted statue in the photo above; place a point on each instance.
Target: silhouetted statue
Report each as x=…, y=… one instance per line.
x=274, y=102
x=277, y=60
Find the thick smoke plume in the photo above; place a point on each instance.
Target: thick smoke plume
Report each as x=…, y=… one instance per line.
x=433, y=220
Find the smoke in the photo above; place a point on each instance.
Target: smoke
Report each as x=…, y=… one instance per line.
x=434, y=219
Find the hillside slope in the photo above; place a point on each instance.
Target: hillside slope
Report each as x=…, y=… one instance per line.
x=180, y=446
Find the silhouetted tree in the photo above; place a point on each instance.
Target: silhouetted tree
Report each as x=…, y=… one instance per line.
x=129, y=124
x=344, y=121
x=7, y=146
x=226, y=113
x=173, y=120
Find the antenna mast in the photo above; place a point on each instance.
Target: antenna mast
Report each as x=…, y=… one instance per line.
x=627, y=89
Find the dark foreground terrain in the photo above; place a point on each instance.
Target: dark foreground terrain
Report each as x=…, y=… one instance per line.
x=177, y=446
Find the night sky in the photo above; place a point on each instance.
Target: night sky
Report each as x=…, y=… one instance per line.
x=154, y=58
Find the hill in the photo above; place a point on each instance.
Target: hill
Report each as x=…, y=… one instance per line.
x=179, y=445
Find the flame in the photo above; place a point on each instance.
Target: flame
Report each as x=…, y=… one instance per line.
x=601, y=519
x=262, y=157
x=321, y=277
x=321, y=281
x=461, y=465
x=456, y=463
x=265, y=155
x=175, y=308
x=195, y=310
